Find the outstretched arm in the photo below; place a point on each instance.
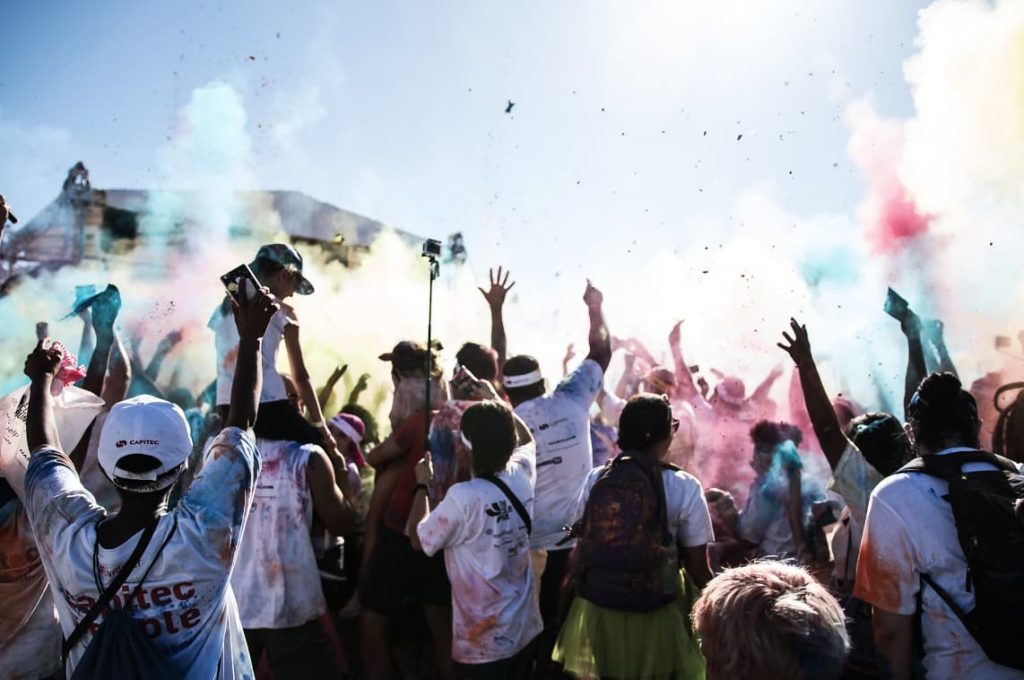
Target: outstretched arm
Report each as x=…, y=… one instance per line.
x=916, y=370
x=761, y=393
x=252, y=316
x=104, y=313
x=934, y=330
x=598, y=337
x=40, y=427
x=163, y=348
x=826, y=425
x=119, y=374
x=684, y=378
x=495, y=297
x=326, y=393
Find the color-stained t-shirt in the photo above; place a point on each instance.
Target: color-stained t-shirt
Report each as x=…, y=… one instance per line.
x=29, y=631
x=450, y=458
x=910, y=531
x=560, y=424
x=487, y=554
x=276, y=581
x=186, y=604
x=854, y=479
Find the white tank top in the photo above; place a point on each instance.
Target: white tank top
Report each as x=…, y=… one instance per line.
x=276, y=581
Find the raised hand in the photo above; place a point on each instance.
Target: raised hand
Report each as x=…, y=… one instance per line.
x=253, y=315
x=798, y=345
x=169, y=341
x=105, y=309
x=592, y=297
x=500, y=287
x=43, y=363
x=675, y=334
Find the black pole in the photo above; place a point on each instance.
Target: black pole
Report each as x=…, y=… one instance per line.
x=434, y=273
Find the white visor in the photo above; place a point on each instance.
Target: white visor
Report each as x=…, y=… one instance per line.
x=514, y=381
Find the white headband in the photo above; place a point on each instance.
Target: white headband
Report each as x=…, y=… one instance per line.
x=514, y=381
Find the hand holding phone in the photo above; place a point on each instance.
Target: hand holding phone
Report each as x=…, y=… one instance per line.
x=896, y=306
x=240, y=283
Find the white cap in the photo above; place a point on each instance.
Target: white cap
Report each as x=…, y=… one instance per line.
x=148, y=426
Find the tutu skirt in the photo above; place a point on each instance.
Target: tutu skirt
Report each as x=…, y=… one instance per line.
x=596, y=642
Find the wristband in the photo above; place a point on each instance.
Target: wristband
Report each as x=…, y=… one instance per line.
x=318, y=424
x=416, y=489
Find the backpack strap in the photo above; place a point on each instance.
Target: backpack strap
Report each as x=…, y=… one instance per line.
x=516, y=503
x=107, y=595
x=948, y=466
x=957, y=609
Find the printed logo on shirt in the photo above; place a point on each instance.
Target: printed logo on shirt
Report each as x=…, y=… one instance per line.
x=174, y=607
x=501, y=510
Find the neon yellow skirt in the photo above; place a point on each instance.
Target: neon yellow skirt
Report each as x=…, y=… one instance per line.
x=596, y=642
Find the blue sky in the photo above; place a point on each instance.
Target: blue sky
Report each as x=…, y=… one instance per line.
x=396, y=110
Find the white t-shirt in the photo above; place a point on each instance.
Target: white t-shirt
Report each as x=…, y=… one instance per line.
x=487, y=554
x=226, y=341
x=687, y=510
x=909, y=531
x=186, y=605
x=276, y=581
x=560, y=423
x=854, y=478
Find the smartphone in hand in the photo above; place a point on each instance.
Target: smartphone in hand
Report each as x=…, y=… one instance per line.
x=234, y=282
x=895, y=306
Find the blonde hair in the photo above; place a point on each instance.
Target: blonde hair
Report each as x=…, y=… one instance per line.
x=770, y=620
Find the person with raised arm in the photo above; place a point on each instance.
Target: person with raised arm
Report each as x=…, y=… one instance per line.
x=560, y=422
x=495, y=296
x=483, y=526
x=873, y=447
x=175, y=566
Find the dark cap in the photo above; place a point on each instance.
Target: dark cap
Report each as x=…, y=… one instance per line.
x=289, y=258
x=410, y=358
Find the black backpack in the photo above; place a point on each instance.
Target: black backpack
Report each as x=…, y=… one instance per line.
x=626, y=557
x=988, y=508
x=120, y=647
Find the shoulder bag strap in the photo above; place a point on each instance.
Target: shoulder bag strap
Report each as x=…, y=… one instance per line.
x=111, y=590
x=957, y=609
x=516, y=503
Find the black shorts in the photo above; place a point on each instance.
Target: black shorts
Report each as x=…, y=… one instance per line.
x=399, y=575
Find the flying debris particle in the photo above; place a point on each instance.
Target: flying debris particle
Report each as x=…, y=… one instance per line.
x=739, y=137
x=602, y=108
x=278, y=35
x=508, y=109
x=705, y=133
x=835, y=165
x=704, y=272
x=252, y=57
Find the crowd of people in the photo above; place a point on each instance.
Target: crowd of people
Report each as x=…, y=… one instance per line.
x=501, y=523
